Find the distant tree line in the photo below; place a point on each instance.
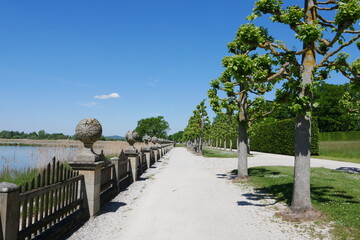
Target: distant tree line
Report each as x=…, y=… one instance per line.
x=33, y=135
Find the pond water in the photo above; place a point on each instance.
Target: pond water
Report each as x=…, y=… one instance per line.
x=16, y=157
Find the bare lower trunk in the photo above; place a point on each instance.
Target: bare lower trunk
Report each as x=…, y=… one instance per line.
x=242, y=151
x=301, y=194
x=301, y=200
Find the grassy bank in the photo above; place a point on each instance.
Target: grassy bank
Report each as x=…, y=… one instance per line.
x=208, y=152
x=348, y=151
x=332, y=192
x=18, y=176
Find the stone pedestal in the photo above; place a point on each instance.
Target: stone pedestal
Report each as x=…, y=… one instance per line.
x=147, y=151
x=156, y=152
x=9, y=210
x=133, y=156
x=160, y=151
x=92, y=176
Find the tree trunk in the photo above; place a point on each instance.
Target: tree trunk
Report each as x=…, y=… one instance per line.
x=230, y=145
x=301, y=193
x=224, y=143
x=242, y=138
x=242, y=152
x=301, y=200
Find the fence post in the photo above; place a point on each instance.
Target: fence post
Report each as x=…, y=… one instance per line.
x=146, y=149
x=116, y=162
x=155, y=148
x=132, y=153
x=88, y=163
x=9, y=210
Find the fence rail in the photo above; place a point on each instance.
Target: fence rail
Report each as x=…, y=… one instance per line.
x=53, y=195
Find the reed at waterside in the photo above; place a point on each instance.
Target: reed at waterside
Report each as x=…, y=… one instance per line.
x=46, y=150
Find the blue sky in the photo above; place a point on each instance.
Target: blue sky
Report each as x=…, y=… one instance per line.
x=61, y=60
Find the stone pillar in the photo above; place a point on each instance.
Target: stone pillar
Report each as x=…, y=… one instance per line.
x=132, y=153
x=116, y=162
x=92, y=176
x=9, y=210
x=146, y=149
x=156, y=152
x=134, y=159
x=155, y=148
x=88, y=163
x=147, y=156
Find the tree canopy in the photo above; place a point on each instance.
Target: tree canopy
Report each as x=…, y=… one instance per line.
x=177, y=136
x=197, y=125
x=153, y=126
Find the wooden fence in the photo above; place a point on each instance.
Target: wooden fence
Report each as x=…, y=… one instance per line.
x=56, y=193
x=56, y=201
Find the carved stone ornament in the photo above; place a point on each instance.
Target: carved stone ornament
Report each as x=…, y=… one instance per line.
x=154, y=140
x=131, y=137
x=88, y=131
x=146, y=139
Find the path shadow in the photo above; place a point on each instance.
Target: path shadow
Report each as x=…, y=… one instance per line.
x=349, y=169
x=111, y=207
x=142, y=179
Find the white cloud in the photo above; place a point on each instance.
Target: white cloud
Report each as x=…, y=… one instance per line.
x=89, y=104
x=111, y=95
x=153, y=83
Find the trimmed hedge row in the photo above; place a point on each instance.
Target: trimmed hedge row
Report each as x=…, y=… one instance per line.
x=339, y=136
x=279, y=137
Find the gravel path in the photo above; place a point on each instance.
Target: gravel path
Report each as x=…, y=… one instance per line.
x=189, y=197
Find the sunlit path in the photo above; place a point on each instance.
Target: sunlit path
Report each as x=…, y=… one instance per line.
x=189, y=198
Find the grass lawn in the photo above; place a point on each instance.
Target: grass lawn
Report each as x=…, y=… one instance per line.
x=348, y=151
x=208, y=152
x=335, y=193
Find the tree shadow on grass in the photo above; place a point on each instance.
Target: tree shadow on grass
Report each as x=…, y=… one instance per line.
x=283, y=192
x=257, y=199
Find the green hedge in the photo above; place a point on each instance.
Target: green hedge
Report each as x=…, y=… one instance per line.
x=279, y=137
x=339, y=136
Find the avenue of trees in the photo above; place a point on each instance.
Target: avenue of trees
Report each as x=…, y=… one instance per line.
x=324, y=29
x=197, y=126
x=320, y=32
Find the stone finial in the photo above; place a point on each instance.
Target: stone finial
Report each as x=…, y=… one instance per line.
x=88, y=131
x=146, y=139
x=131, y=137
x=154, y=140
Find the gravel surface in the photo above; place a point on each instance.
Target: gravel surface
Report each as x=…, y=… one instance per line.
x=190, y=197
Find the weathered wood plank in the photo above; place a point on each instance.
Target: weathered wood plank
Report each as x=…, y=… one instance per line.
x=45, y=221
x=24, y=210
x=46, y=189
